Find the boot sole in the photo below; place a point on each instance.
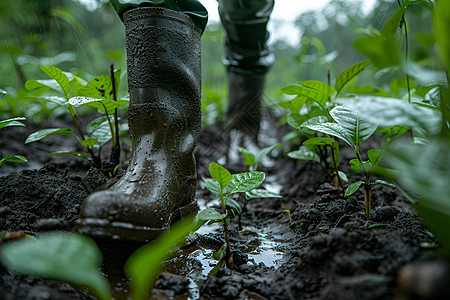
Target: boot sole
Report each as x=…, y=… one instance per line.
x=126, y=231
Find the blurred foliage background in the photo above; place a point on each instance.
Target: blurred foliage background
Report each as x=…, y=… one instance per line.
x=86, y=37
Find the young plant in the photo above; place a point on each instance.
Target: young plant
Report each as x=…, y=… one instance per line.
x=72, y=92
x=7, y=123
x=353, y=130
x=311, y=105
x=252, y=161
x=223, y=185
x=75, y=259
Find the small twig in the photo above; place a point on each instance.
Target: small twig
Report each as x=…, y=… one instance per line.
x=115, y=151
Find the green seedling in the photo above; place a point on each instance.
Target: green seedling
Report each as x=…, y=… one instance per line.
x=7, y=123
x=223, y=185
x=252, y=161
x=311, y=105
x=75, y=259
x=71, y=92
x=289, y=214
x=353, y=130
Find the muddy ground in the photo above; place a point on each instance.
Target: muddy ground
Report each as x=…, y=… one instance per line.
x=329, y=249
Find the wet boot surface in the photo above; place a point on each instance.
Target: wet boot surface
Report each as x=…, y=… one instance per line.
x=328, y=251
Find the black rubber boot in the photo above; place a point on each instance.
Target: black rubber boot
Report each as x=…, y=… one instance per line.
x=244, y=112
x=163, y=58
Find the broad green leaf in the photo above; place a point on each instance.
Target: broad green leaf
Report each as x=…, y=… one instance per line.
x=249, y=157
x=355, y=164
x=355, y=127
x=13, y=158
x=35, y=84
x=441, y=22
x=59, y=76
x=260, y=193
x=220, y=174
x=374, y=156
x=39, y=135
x=392, y=24
x=349, y=74
x=389, y=112
x=58, y=100
x=265, y=151
x=352, y=188
x=210, y=214
x=244, y=182
x=296, y=104
x=12, y=122
x=318, y=86
x=333, y=129
x=100, y=87
x=100, y=130
x=319, y=141
x=79, y=154
x=304, y=153
x=213, y=187
x=220, y=253
x=68, y=257
x=103, y=105
x=296, y=120
x=384, y=183
x=343, y=176
x=318, y=96
x=234, y=205
x=89, y=142
x=144, y=264
x=381, y=50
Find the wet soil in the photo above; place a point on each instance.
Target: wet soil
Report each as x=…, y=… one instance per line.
x=327, y=250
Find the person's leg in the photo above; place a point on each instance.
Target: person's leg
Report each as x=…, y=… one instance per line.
x=163, y=60
x=247, y=58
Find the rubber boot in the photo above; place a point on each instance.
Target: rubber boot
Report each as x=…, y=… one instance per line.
x=244, y=112
x=163, y=59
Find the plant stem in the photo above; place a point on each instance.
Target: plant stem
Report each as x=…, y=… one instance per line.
x=337, y=170
x=115, y=151
x=403, y=22
x=367, y=199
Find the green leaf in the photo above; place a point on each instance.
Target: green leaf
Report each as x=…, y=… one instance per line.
x=264, y=152
x=374, y=156
x=343, y=176
x=244, y=182
x=318, y=141
x=12, y=122
x=100, y=130
x=249, y=157
x=355, y=164
x=58, y=100
x=101, y=87
x=296, y=120
x=144, y=264
x=79, y=154
x=441, y=22
x=213, y=187
x=220, y=174
x=318, y=96
x=389, y=112
x=381, y=50
x=350, y=73
x=60, y=256
x=352, y=188
x=59, y=76
x=210, y=214
x=220, y=253
x=332, y=129
x=318, y=86
x=39, y=135
x=234, y=205
x=89, y=142
x=295, y=104
x=260, y=193
x=304, y=153
x=384, y=183
x=103, y=105
x=50, y=83
x=13, y=158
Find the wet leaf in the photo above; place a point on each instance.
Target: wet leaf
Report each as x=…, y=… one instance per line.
x=144, y=264
x=12, y=122
x=210, y=214
x=100, y=130
x=384, y=183
x=89, y=142
x=79, y=154
x=39, y=135
x=318, y=141
x=352, y=188
x=304, y=153
x=374, y=156
x=220, y=253
x=316, y=95
x=261, y=193
x=13, y=158
x=50, y=83
x=61, y=78
x=60, y=256
x=213, y=187
x=234, y=205
x=264, y=152
x=244, y=182
x=249, y=157
x=350, y=73
x=220, y=174
x=103, y=105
